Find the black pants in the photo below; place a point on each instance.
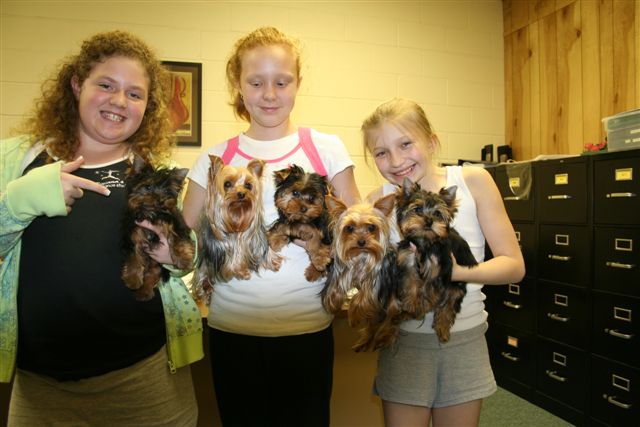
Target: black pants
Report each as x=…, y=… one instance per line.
x=278, y=382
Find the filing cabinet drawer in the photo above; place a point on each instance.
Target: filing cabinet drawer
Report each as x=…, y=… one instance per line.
x=563, y=373
x=561, y=191
x=616, y=325
x=515, y=183
x=615, y=393
x=617, y=255
x=562, y=313
x=526, y=235
x=513, y=304
x=512, y=353
x=564, y=255
x=617, y=190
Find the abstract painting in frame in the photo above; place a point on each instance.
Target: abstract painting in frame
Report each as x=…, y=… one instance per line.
x=185, y=106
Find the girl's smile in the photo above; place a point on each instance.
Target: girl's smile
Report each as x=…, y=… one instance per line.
x=111, y=101
x=398, y=155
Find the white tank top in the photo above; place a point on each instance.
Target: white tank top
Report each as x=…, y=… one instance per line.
x=472, y=311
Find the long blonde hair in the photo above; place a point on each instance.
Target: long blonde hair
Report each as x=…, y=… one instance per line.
x=56, y=118
x=404, y=114
x=264, y=36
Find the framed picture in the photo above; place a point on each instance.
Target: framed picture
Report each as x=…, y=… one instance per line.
x=185, y=106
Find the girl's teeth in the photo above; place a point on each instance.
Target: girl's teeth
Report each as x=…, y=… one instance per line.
x=405, y=172
x=113, y=117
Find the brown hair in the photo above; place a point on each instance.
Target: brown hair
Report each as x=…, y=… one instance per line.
x=264, y=36
x=404, y=114
x=56, y=117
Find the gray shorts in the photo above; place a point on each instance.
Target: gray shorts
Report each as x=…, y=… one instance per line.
x=419, y=370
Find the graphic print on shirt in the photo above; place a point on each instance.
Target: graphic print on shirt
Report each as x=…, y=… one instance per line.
x=110, y=178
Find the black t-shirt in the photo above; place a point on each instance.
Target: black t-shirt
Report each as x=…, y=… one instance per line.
x=76, y=317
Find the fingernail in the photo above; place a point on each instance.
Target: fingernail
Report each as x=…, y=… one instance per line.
x=107, y=192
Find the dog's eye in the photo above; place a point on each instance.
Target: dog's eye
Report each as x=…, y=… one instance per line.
x=417, y=209
x=371, y=228
x=438, y=215
x=227, y=185
x=349, y=228
x=296, y=194
x=248, y=186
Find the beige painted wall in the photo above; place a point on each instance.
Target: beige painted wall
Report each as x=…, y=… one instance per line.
x=447, y=55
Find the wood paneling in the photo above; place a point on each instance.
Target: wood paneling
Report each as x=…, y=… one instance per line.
x=568, y=64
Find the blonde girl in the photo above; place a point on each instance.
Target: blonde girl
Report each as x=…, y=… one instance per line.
x=421, y=380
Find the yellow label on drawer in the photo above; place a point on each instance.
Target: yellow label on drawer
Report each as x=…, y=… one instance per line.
x=512, y=341
x=561, y=178
x=625, y=174
x=514, y=182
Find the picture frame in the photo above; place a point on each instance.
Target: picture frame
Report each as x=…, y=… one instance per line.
x=185, y=105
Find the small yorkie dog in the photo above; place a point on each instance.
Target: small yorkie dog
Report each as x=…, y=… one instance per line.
x=424, y=219
x=364, y=259
x=302, y=214
x=153, y=196
x=232, y=236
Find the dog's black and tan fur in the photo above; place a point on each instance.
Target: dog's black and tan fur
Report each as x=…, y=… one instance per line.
x=153, y=196
x=302, y=214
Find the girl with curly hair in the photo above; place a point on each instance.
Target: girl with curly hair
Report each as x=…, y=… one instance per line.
x=84, y=350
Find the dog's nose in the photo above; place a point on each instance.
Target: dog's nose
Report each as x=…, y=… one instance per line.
x=241, y=195
x=362, y=242
x=303, y=209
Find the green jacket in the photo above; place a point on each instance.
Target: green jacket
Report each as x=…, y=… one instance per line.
x=40, y=193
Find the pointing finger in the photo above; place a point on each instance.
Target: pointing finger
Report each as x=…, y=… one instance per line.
x=86, y=184
x=72, y=166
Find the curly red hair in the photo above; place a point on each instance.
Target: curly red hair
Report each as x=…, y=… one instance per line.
x=56, y=117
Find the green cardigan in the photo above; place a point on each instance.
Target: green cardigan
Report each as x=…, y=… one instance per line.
x=40, y=193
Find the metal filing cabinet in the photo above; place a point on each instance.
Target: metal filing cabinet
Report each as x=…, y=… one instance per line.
x=578, y=309
x=512, y=316
x=615, y=333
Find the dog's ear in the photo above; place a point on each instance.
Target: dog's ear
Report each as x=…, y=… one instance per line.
x=216, y=164
x=282, y=175
x=449, y=195
x=139, y=164
x=385, y=204
x=256, y=166
x=409, y=187
x=326, y=187
x=335, y=206
x=181, y=173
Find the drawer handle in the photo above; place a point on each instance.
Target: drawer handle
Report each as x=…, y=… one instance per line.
x=559, y=197
x=509, y=356
x=511, y=198
x=617, y=195
x=613, y=401
x=559, y=257
x=557, y=317
x=620, y=265
x=555, y=376
x=615, y=333
x=512, y=305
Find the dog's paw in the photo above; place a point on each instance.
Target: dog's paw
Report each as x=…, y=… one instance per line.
x=277, y=241
x=274, y=261
x=312, y=274
x=321, y=258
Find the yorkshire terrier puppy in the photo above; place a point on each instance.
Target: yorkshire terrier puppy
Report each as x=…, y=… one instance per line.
x=302, y=214
x=232, y=240
x=364, y=259
x=424, y=219
x=153, y=196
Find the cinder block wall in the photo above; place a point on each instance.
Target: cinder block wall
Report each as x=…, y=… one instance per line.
x=447, y=55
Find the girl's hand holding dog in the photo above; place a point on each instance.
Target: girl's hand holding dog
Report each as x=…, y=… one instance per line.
x=160, y=252
x=73, y=186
